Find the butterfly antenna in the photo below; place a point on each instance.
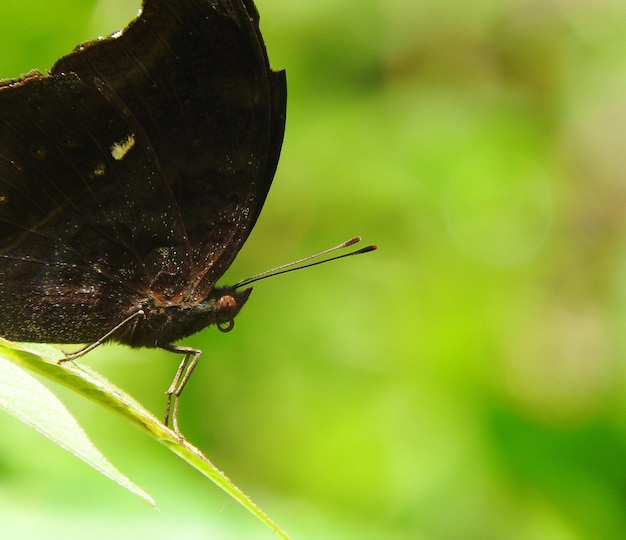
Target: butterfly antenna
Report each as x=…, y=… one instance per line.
x=300, y=264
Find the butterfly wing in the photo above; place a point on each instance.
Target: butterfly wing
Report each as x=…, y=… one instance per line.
x=140, y=163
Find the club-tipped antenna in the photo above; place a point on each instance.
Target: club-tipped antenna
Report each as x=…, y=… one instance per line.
x=299, y=264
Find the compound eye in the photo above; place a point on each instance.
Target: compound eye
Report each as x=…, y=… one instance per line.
x=226, y=302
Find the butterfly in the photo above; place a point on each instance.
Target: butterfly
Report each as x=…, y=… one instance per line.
x=131, y=175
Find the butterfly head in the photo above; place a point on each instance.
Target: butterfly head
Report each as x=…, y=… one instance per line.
x=226, y=302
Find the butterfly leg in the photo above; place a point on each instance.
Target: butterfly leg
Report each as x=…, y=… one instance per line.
x=70, y=356
x=184, y=371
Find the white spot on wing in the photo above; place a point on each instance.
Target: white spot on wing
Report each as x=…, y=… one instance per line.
x=120, y=149
x=99, y=169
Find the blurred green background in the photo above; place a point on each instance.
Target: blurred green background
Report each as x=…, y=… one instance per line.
x=467, y=380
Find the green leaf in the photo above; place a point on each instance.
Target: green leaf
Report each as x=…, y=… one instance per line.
x=31, y=402
x=21, y=393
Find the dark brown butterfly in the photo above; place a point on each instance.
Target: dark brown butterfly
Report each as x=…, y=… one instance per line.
x=130, y=177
